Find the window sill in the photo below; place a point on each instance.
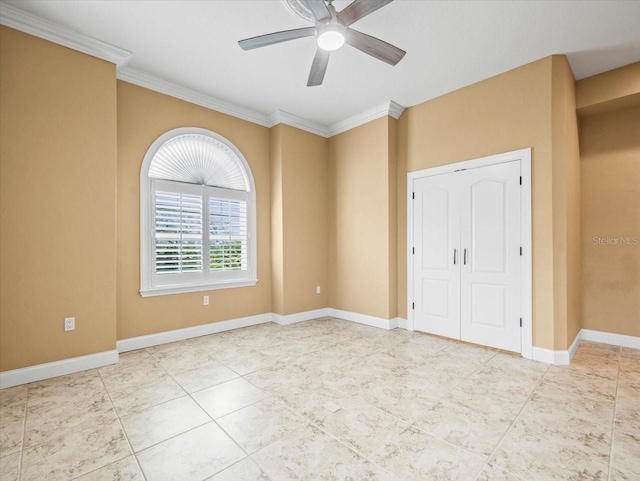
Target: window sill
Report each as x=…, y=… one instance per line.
x=166, y=290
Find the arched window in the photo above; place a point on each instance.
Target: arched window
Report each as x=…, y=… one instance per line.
x=197, y=215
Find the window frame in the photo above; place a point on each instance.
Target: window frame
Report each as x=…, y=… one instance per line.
x=148, y=285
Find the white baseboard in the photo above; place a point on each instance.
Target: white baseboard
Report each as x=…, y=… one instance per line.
x=340, y=314
x=284, y=320
x=574, y=346
x=610, y=338
x=560, y=358
x=563, y=358
x=363, y=319
x=69, y=366
x=149, y=340
x=58, y=368
x=402, y=323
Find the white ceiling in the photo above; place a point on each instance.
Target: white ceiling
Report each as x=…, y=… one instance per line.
x=449, y=44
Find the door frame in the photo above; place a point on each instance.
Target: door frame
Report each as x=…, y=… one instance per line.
x=524, y=157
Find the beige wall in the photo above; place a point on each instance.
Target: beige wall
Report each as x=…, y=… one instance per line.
x=331, y=212
x=610, y=157
x=508, y=112
x=392, y=228
x=58, y=192
x=299, y=222
x=360, y=223
x=566, y=204
x=402, y=143
x=277, y=222
x=608, y=86
x=143, y=115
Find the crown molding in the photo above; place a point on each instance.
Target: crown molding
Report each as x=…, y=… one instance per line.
x=389, y=108
x=13, y=17
x=395, y=110
x=151, y=82
x=281, y=117
x=18, y=19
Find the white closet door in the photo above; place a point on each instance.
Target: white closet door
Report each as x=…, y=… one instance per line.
x=436, y=281
x=490, y=240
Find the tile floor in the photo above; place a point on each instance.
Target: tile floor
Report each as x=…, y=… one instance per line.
x=328, y=400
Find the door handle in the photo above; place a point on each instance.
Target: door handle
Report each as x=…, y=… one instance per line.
x=465, y=257
x=455, y=252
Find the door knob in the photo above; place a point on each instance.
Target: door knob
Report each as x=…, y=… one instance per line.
x=465, y=257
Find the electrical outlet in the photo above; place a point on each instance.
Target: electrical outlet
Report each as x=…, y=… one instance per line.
x=205, y=300
x=318, y=289
x=69, y=323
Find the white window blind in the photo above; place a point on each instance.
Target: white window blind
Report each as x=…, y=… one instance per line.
x=197, y=215
x=178, y=233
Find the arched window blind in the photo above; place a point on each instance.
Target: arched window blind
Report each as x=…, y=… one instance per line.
x=197, y=215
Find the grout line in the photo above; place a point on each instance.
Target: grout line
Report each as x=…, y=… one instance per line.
x=24, y=434
x=367, y=460
x=511, y=425
x=121, y=427
x=613, y=424
x=208, y=415
x=306, y=421
x=455, y=446
x=287, y=361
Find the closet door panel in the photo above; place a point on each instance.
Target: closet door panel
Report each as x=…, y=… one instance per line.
x=436, y=280
x=490, y=239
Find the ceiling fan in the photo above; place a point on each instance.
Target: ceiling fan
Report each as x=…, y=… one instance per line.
x=332, y=32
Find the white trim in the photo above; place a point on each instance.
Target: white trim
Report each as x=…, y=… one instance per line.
x=559, y=358
x=621, y=340
x=282, y=117
x=395, y=110
x=140, y=342
x=563, y=358
x=526, y=221
x=574, y=346
x=373, y=321
x=402, y=323
x=146, y=240
x=13, y=17
x=167, y=290
x=379, y=322
x=156, y=84
x=287, y=319
x=389, y=108
x=34, y=25
x=524, y=157
x=39, y=372
x=69, y=366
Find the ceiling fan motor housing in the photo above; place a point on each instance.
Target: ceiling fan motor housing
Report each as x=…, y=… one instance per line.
x=330, y=33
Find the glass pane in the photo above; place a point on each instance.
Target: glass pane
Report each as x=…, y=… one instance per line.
x=227, y=234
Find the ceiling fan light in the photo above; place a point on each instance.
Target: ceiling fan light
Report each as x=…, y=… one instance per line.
x=330, y=39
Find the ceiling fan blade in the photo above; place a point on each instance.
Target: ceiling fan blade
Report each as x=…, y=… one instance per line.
x=276, y=37
x=359, y=9
x=319, y=9
x=374, y=46
x=318, y=67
